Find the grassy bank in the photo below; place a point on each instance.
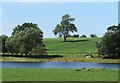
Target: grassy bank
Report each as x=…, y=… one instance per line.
x=62, y=59
x=22, y=74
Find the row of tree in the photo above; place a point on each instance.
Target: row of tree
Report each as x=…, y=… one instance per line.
x=82, y=36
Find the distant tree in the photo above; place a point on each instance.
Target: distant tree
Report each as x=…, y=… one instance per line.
x=83, y=36
x=112, y=28
x=93, y=35
x=65, y=26
x=75, y=35
x=4, y=37
x=109, y=46
x=24, y=38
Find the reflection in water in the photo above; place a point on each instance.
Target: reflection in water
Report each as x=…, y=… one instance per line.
x=59, y=65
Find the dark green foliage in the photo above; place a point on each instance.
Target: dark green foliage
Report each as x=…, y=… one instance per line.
x=39, y=50
x=65, y=27
x=4, y=37
x=83, y=36
x=11, y=45
x=24, y=38
x=112, y=28
x=109, y=46
x=93, y=35
x=75, y=35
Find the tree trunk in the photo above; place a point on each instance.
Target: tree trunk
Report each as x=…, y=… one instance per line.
x=26, y=54
x=64, y=38
x=3, y=53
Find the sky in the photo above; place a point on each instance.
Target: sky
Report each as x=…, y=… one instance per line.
x=59, y=0
x=91, y=17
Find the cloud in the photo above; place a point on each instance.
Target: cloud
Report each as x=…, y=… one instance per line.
x=60, y=0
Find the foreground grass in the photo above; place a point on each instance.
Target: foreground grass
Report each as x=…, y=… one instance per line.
x=0, y=74
x=24, y=74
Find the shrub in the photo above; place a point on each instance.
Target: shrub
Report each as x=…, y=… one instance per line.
x=83, y=36
x=39, y=50
x=93, y=35
x=75, y=35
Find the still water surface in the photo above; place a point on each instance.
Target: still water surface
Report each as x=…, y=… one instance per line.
x=59, y=65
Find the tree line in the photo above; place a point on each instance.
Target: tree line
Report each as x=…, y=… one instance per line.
x=27, y=38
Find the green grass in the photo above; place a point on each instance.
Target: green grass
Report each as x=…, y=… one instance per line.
x=24, y=74
x=76, y=46
x=73, y=51
x=0, y=75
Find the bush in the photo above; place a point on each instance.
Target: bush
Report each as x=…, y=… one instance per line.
x=93, y=35
x=75, y=35
x=39, y=50
x=83, y=36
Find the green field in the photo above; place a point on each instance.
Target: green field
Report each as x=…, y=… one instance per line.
x=71, y=51
x=74, y=50
x=24, y=74
x=72, y=46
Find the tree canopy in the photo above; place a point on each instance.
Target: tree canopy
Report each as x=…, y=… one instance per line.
x=24, y=38
x=65, y=27
x=3, y=38
x=109, y=46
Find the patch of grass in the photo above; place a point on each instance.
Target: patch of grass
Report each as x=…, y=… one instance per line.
x=24, y=74
x=72, y=46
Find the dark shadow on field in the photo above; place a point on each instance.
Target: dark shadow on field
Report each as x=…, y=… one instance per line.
x=47, y=49
x=48, y=56
x=50, y=49
x=76, y=40
x=35, y=56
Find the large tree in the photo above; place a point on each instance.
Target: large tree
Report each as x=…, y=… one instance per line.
x=109, y=46
x=24, y=38
x=65, y=27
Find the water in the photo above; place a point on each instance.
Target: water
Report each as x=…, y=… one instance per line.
x=59, y=65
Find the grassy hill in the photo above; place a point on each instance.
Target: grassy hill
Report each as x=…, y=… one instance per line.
x=72, y=46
